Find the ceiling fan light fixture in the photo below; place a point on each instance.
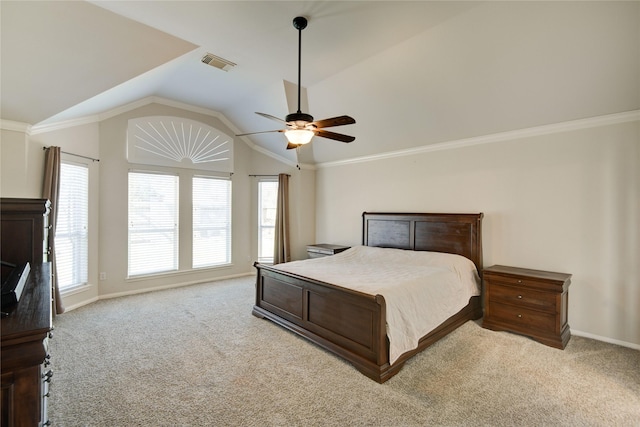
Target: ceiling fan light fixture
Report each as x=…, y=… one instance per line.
x=299, y=136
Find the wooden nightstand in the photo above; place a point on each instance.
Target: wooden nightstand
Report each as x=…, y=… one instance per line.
x=529, y=302
x=324, y=249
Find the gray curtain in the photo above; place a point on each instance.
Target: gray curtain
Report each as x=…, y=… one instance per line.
x=51, y=190
x=282, y=248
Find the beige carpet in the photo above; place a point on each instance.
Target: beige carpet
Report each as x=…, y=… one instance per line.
x=195, y=356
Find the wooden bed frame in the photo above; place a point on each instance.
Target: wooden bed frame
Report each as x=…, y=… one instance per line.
x=352, y=324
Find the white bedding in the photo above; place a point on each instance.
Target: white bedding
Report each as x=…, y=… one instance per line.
x=421, y=289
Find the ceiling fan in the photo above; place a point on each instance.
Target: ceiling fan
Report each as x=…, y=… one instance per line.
x=300, y=127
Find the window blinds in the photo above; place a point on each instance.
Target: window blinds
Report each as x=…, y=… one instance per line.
x=71, y=238
x=211, y=222
x=153, y=223
x=267, y=208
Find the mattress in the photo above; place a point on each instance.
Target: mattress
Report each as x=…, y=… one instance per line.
x=421, y=289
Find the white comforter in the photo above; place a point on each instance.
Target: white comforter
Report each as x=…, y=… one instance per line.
x=421, y=289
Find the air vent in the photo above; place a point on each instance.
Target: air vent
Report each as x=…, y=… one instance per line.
x=216, y=61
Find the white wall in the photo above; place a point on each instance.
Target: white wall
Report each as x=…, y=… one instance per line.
x=567, y=202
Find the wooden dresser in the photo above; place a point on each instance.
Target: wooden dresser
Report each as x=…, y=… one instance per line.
x=24, y=226
x=529, y=302
x=24, y=356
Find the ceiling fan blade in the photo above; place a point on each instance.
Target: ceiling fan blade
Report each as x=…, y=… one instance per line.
x=264, y=131
x=334, y=121
x=291, y=146
x=269, y=116
x=332, y=135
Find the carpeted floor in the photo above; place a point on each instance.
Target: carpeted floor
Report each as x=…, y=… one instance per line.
x=195, y=356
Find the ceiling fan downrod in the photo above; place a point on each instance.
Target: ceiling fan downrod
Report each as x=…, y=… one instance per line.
x=299, y=23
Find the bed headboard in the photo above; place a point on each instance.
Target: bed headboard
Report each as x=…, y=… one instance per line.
x=451, y=233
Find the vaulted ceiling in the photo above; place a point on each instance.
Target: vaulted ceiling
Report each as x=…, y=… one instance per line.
x=411, y=73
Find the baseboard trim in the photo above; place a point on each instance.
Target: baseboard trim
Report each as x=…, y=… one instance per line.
x=172, y=286
x=157, y=288
x=68, y=308
x=605, y=339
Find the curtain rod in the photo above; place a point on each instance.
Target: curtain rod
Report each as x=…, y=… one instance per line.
x=77, y=155
x=268, y=176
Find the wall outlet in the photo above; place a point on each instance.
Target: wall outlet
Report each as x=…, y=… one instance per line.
x=103, y=275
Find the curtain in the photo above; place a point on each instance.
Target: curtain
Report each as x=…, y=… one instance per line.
x=50, y=191
x=282, y=248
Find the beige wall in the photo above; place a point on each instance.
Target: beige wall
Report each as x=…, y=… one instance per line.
x=84, y=141
x=301, y=204
x=567, y=201
x=113, y=201
x=22, y=161
x=22, y=174
x=21, y=164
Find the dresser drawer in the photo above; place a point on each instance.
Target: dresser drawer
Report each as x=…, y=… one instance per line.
x=522, y=297
x=522, y=319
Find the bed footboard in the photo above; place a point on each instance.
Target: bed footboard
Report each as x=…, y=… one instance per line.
x=348, y=323
x=345, y=322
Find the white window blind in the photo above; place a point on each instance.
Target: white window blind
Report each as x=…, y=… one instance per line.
x=71, y=238
x=211, y=222
x=153, y=223
x=267, y=204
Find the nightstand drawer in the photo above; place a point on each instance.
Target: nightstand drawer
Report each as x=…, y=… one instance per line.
x=522, y=319
x=519, y=281
x=523, y=297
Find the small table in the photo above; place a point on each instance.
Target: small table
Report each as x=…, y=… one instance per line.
x=529, y=302
x=324, y=249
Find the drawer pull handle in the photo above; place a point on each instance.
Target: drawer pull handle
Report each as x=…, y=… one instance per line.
x=519, y=281
x=519, y=315
x=519, y=296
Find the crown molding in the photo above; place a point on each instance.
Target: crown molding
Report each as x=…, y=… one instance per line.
x=609, y=119
x=96, y=118
x=15, y=126
x=605, y=120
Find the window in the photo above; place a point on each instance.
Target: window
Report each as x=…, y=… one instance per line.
x=71, y=238
x=267, y=205
x=153, y=223
x=211, y=222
